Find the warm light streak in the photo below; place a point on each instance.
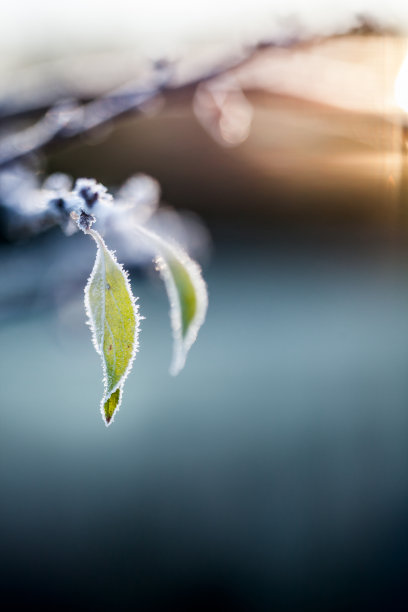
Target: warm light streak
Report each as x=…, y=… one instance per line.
x=401, y=86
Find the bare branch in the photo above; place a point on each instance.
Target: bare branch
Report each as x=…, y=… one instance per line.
x=66, y=122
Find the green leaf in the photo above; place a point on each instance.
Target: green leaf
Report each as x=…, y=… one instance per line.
x=111, y=404
x=187, y=293
x=114, y=320
x=188, y=299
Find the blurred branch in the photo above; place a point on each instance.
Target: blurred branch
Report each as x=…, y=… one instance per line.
x=219, y=101
x=67, y=121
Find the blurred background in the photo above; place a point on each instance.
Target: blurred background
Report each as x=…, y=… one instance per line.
x=272, y=473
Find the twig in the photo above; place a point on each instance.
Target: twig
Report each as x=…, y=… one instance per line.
x=66, y=122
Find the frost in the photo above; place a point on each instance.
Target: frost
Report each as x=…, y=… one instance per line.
x=31, y=208
x=85, y=221
x=27, y=206
x=91, y=193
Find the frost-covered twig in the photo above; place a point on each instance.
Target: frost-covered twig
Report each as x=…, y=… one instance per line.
x=111, y=308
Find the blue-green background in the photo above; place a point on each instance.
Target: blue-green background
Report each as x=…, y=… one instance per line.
x=271, y=474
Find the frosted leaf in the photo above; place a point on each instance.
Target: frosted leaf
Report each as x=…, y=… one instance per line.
x=188, y=301
x=187, y=293
x=114, y=320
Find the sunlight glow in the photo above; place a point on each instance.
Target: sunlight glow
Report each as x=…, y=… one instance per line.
x=401, y=86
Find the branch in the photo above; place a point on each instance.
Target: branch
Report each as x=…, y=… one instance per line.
x=66, y=122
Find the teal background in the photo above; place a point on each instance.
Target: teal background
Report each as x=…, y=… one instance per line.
x=272, y=473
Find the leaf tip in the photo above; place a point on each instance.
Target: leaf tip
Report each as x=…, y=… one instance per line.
x=111, y=405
